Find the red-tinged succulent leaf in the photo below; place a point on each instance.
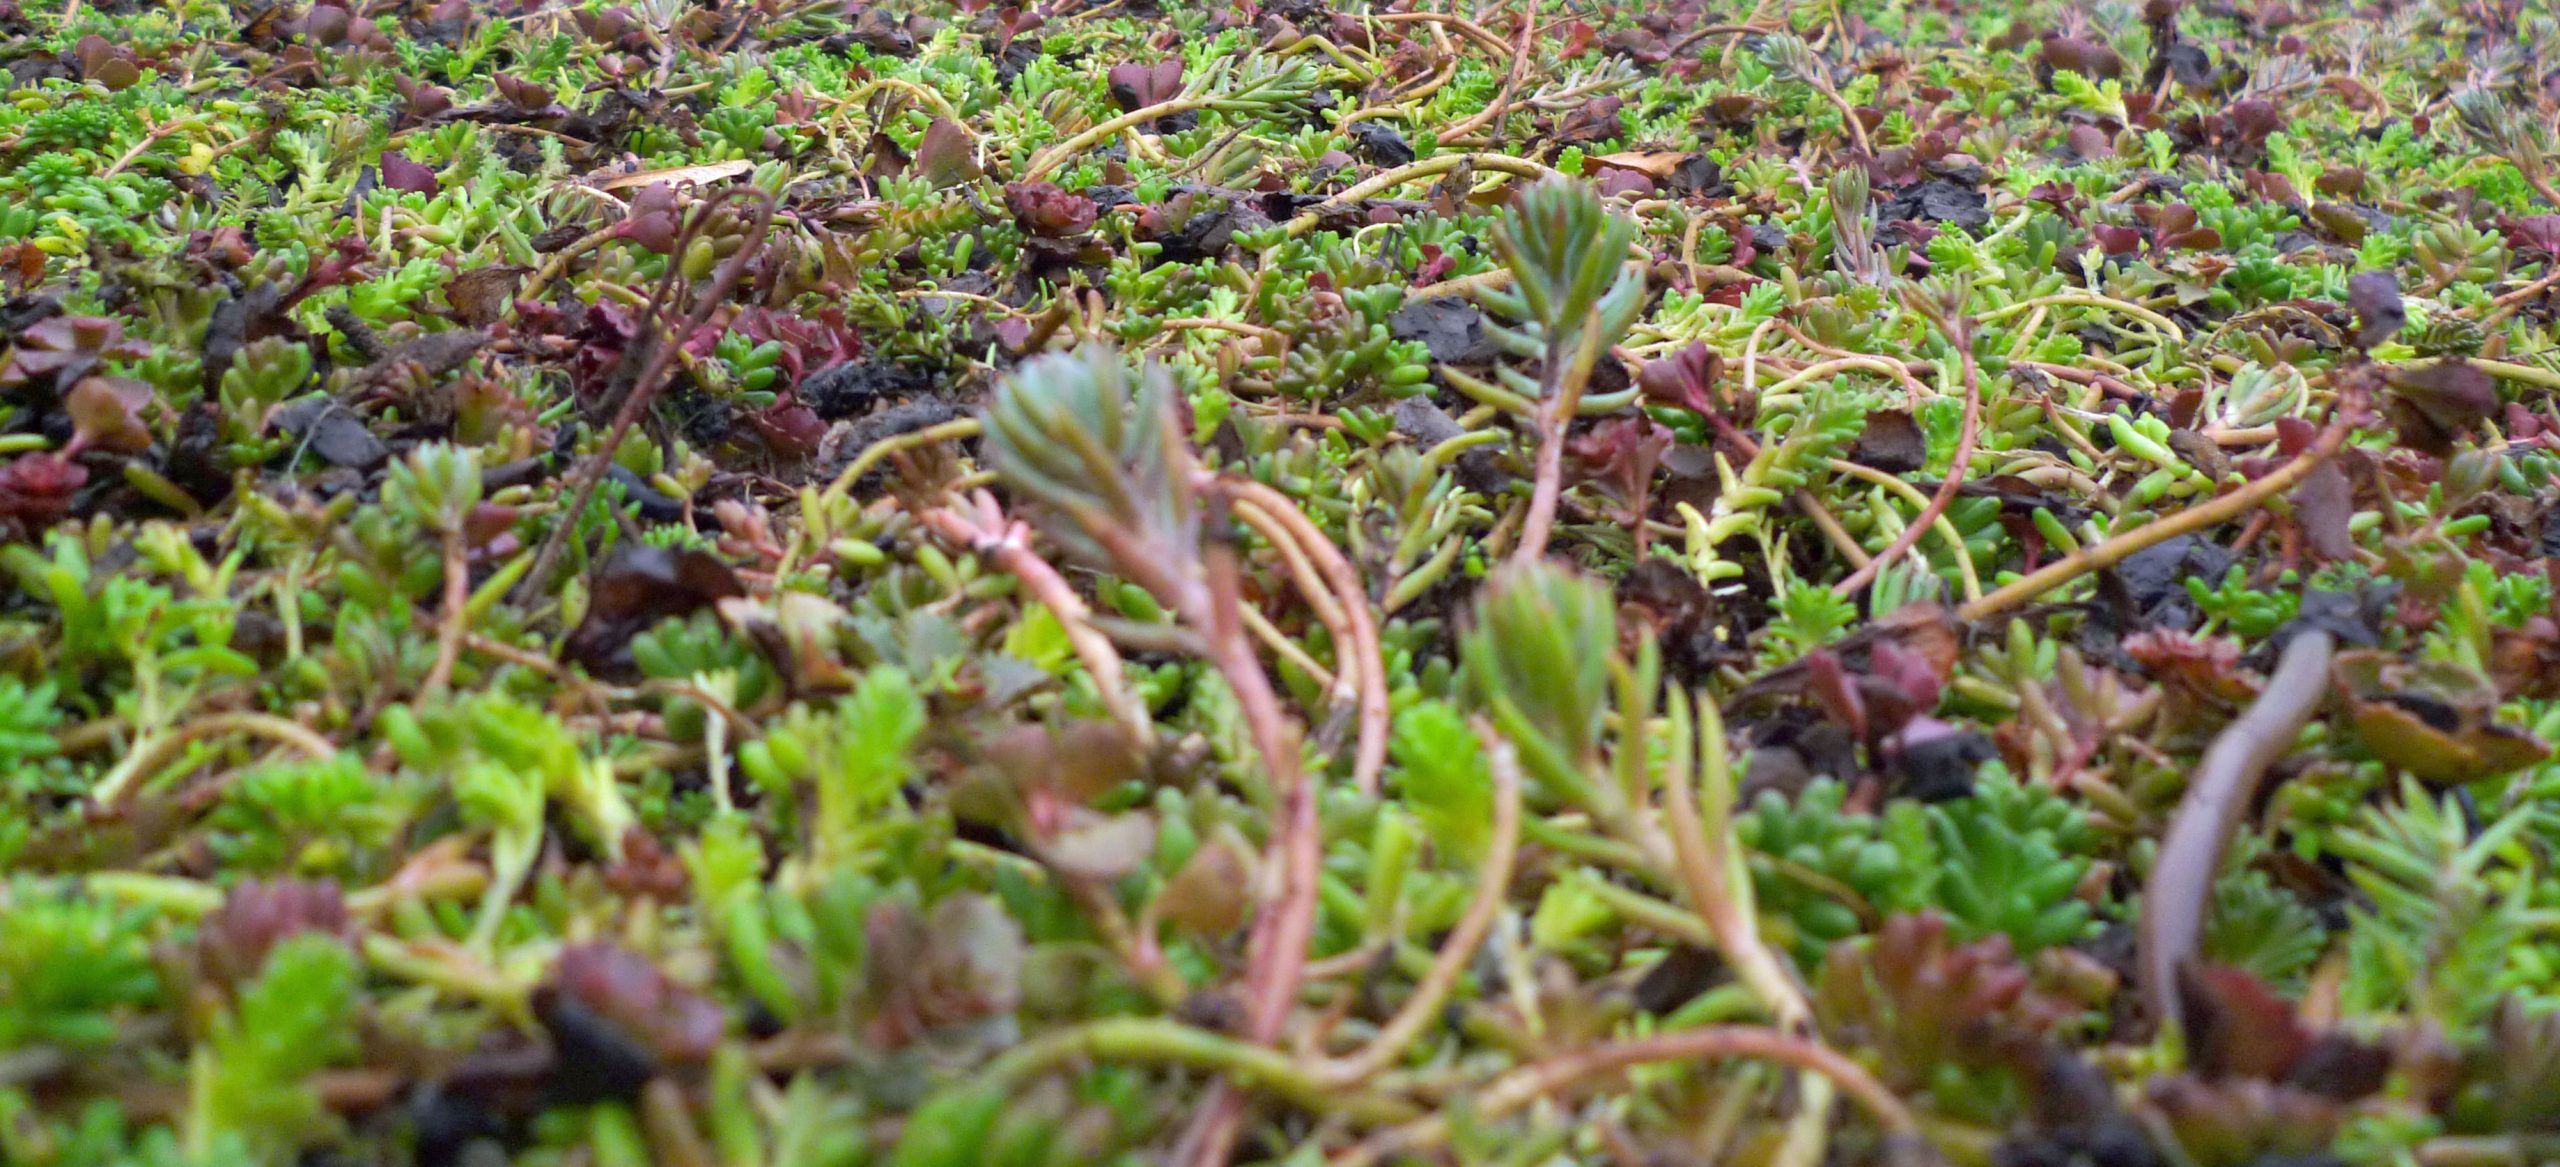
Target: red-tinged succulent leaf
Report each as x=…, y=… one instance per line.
x=791, y=429
x=54, y=353
x=1912, y=676
x=2238, y=1027
x=2340, y=182
x=2294, y=435
x=2115, y=239
x=2204, y=666
x=809, y=343
x=36, y=489
x=930, y=973
x=2435, y=404
x=2271, y=187
x=1598, y=119
x=524, y=95
x=1623, y=453
x=105, y=62
x=2380, y=315
x=1686, y=378
x=1827, y=680
x=107, y=413
x=676, y=1025
x=947, y=156
x=653, y=220
x=401, y=174
x=2091, y=142
x=487, y=523
x=615, y=27
x=2534, y=234
x=2253, y=119
x=2166, y=218
x=347, y=261
x=2081, y=55
x=2525, y=662
x=1044, y=209
x=1734, y=109
x=1578, y=35
x=233, y=942
x=421, y=100
x=1612, y=182
x=1922, y=1001
x=2323, y=507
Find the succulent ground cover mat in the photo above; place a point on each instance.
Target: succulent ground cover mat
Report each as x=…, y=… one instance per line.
x=1505, y=583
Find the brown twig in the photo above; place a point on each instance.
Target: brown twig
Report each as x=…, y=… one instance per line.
x=2195, y=518
x=2509, y=302
x=1276, y=947
x=1685, y=43
x=151, y=753
x=662, y=350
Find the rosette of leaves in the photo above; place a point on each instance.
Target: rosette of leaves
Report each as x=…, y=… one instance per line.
x=1098, y=445
x=1539, y=655
x=1572, y=289
x=1938, y=1014
x=2009, y=860
x=2519, y=135
x=1804, y=853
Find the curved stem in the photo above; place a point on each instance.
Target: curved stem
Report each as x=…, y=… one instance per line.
x=559, y=260
x=457, y=598
x=1368, y=652
x=1530, y=1083
x=2166, y=326
x=1159, y=1040
x=1006, y=549
x=1047, y=160
x=2175, y=899
x=154, y=752
x=1911, y=494
x=1501, y=103
x=1427, y=168
x=1558, y=402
